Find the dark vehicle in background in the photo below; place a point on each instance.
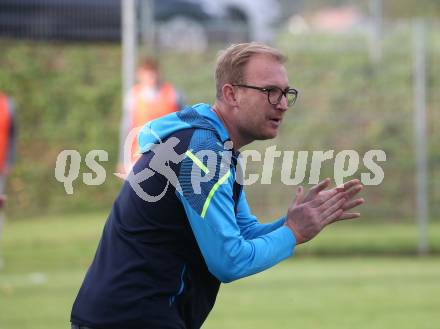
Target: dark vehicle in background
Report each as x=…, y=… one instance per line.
x=100, y=20
x=177, y=24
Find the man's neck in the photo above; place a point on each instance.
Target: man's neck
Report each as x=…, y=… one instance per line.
x=225, y=115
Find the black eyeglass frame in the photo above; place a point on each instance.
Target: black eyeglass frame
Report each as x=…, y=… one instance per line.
x=267, y=90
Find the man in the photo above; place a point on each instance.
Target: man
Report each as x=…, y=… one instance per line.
x=149, y=99
x=181, y=224
x=7, y=150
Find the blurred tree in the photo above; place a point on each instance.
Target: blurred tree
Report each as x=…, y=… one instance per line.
x=392, y=8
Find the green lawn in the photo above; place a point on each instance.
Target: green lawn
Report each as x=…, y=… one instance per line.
x=45, y=261
x=335, y=293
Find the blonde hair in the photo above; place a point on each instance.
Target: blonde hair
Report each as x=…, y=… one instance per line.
x=231, y=62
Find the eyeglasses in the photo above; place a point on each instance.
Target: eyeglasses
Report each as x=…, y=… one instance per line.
x=274, y=94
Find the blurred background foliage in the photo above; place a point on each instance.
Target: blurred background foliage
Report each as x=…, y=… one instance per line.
x=393, y=9
x=68, y=96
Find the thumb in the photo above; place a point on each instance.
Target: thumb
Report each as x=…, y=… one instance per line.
x=299, y=195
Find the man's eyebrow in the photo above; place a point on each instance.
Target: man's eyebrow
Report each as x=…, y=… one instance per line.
x=275, y=86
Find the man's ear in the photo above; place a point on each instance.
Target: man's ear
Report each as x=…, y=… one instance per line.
x=228, y=93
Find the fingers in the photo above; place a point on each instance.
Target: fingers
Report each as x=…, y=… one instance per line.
x=299, y=195
x=324, y=197
x=332, y=218
x=314, y=191
x=334, y=213
x=350, y=189
x=349, y=215
x=353, y=203
x=341, y=216
x=350, y=184
x=331, y=206
x=350, y=193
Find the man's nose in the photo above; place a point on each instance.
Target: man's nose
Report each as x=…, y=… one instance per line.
x=283, y=104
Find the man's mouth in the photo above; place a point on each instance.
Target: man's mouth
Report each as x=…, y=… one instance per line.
x=276, y=120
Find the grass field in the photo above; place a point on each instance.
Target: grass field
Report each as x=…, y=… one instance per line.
x=45, y=261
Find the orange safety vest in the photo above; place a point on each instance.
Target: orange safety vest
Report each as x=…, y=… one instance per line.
x=146, y=110
x=5, y=126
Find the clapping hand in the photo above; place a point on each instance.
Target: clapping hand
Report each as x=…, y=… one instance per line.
x=309, y=214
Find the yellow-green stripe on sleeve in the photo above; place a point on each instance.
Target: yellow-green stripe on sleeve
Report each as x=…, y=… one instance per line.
x=199, y=163
x=211, y=193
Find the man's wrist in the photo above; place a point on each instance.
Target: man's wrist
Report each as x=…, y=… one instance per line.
x=297, y=236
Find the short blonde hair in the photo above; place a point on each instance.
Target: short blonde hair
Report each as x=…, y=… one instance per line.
x=231, y=62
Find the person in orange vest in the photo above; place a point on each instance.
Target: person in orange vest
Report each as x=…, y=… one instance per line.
x=149, y=99
x=7, y=150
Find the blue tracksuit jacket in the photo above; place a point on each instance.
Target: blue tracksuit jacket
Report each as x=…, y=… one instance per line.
x=179, y=226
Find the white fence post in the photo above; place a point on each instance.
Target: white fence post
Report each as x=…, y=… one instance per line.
x=422, y=197
x=376, y=10
x=129, y=49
